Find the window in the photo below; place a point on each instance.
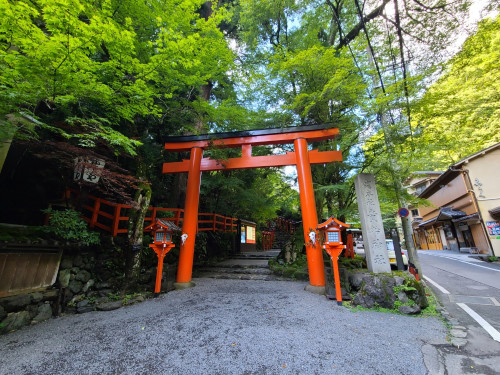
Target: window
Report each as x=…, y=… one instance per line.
x=414, y=212
x=159, y=236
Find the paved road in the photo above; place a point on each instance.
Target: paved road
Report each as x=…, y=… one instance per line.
x=470, y=291
x=226, y=327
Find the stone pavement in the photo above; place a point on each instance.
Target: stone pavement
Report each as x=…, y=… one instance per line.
x=252, y=326
x=225, y=327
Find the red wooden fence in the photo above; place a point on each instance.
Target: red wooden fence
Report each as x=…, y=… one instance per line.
x=112, y=217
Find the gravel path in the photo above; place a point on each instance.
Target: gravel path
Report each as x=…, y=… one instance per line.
x=224, y=327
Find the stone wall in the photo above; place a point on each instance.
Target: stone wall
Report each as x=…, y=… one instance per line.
x=86, y=281
x=18, y=311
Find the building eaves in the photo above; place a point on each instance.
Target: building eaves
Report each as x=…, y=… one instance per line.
x=438, y=181
x=475, y=155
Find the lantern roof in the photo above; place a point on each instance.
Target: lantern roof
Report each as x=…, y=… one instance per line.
x=332, y=221
x=163, y=223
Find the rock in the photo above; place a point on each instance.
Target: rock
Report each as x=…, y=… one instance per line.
x=380, y=289
x=70, y=310
x=105, y=292
x=15, y=321
x=399, y=280
x=87, y=285
x=75, y=286
x=77, y=298
x=138, y=298
x=102, y=286
x=44, y=313
x=3, y=313
x=418, y=295
x=66, y=263
x=108, y=306
x=458, y=342
x=458, y=333
x=409, y=310
x=356, y=281
x=15, y=303
x=33, y=310
x=50, y=295
x=64, y=277
x=364, y=301
x=78, y=261
x=92, y=293
x=67, y=295
x=36, y=297
x=83, y=276
x=84, y=306
x=402, y=297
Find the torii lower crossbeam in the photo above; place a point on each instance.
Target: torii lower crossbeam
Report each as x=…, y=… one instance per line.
x=301, y=157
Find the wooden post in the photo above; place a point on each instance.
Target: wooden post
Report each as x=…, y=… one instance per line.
x=95, y=212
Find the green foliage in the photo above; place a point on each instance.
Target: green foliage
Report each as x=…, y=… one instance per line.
x=358, y=262
x=295, y=270
x=68, y=225
x=460, y=113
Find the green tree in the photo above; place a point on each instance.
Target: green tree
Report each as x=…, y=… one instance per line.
x=460, y=113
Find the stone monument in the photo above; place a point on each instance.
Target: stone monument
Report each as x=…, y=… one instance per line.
x=371, y=224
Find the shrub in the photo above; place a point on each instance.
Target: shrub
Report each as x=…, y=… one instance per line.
x=68, y=225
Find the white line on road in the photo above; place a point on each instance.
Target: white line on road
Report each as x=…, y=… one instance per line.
x=495, y=302
x=463, y=261
x=487, y=326
x=443, y=290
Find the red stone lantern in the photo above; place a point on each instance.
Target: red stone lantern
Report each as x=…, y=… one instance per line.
x=333, y=246
x=162, y=231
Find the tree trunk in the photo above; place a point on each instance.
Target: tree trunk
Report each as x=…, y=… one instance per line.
x=136, y=229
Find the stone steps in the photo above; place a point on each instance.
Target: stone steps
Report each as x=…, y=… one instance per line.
x=244, y=266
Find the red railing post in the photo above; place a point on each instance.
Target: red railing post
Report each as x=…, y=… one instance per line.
x=95, y=212
x=177, y=217
x=116, y=220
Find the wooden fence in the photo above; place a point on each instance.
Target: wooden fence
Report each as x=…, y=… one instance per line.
x=113, y=217
x=25, y=268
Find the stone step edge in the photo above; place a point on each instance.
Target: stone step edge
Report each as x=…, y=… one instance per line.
x=245, y=277
x=240, y=266
x=262, y=271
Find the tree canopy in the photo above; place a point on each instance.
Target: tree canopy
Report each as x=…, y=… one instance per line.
x=110, y=78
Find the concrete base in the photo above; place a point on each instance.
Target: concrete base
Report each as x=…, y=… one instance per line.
x=182, y=286
x=315, y=289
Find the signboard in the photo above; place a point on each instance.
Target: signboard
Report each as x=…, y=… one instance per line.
x=493, y=228
x=87, y=173
x=250, y=234
x=403, y=212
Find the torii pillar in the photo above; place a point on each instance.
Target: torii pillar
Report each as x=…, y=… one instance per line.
x=302, y=158
x=309, y=218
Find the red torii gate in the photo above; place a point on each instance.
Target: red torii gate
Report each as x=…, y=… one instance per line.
x=302, y=158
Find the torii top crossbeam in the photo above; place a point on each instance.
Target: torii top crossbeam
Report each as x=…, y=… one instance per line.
x=247, y=139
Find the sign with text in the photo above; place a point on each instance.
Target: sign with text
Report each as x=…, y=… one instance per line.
x=88, y=169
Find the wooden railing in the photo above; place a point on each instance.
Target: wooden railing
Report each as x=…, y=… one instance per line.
x=267, y=240
x=113, y=217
